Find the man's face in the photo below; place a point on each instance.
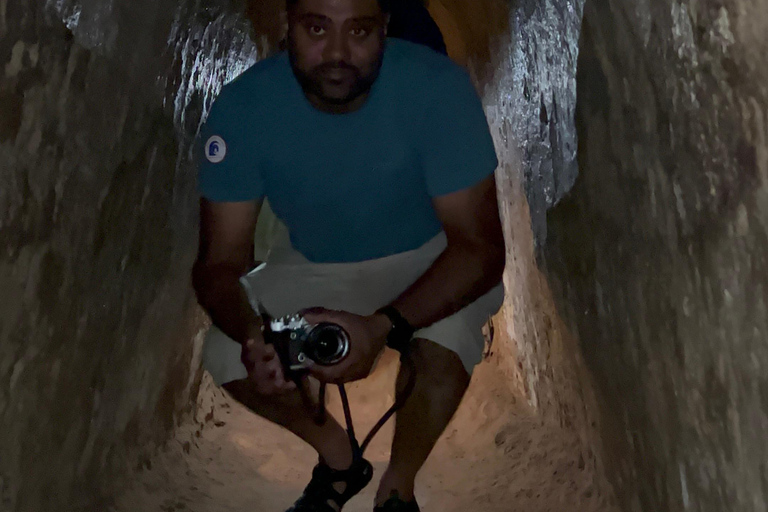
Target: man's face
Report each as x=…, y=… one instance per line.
x=336, y=49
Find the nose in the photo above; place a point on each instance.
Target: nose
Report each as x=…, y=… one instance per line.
x=337, y=48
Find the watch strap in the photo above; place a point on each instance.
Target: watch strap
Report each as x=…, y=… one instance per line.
x=401, y=332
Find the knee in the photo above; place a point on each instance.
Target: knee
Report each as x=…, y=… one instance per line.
x=439, y=365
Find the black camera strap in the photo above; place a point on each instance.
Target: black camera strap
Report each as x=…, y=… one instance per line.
x=318, y=410
x=358, y=450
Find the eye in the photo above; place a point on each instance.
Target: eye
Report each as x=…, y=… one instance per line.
x=359, y=32
x=316, y=30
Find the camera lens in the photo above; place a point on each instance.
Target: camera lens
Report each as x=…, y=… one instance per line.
x=327, y=344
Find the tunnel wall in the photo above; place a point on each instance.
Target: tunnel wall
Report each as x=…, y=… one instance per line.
x=526, y=74
x=530, y=98
x=654, y=261
x=99, y=332
x=636, y=303
x=657, y=257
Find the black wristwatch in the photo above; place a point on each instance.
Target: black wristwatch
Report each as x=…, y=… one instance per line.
x=401, y=332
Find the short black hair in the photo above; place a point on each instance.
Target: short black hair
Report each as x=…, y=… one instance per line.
x=384, y=4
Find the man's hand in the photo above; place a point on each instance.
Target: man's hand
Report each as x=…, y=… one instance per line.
x=264, y=368
x=367, y=338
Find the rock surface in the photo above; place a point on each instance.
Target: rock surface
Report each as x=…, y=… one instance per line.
x=98, y=325
x=659, y=251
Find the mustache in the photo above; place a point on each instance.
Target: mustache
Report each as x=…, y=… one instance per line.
x=334, y=66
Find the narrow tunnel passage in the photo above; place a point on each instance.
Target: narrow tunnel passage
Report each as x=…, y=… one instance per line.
x=497, y=455
x=629, y=361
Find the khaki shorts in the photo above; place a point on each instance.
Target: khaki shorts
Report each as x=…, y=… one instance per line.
x=288, y=283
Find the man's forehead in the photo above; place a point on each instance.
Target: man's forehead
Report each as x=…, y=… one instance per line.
x=339, y=10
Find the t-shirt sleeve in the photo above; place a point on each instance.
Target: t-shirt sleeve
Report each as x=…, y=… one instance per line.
x=225, y=153
x=457, y=149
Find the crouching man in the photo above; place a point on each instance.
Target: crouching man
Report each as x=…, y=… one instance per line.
x=376, y=155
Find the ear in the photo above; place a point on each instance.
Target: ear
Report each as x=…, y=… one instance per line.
x=283, y=24
x=387, y=17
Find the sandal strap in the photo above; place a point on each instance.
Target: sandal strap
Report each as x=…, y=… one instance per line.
x=320, y=489
x=395, y=504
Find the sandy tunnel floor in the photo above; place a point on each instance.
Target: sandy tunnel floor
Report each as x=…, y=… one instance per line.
x=495, y=456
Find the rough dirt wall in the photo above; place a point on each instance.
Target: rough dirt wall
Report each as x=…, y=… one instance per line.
x=98, y=347
x=531, y=74
x=660, y=249
x=523, y=56
x=530, y=98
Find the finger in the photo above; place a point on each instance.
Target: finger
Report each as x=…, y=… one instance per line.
x=287, y=388
x=270, y=359
x=318, y=315
x=277, y=373
x=275, y=377
x=315, y=319
x=260, y=353
x=314, y=311
x=256, y=357
x=289, y=385
x=283, y=385
x=269, y=385
x=269, y=377
x=274, y=367
x=269, y=350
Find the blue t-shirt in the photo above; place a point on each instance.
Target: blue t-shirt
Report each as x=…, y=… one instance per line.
x=356, y=186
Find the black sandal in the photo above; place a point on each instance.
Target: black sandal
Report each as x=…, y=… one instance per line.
x=321, y=496
x=395, y=504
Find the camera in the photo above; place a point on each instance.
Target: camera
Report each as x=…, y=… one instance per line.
x=299, y=343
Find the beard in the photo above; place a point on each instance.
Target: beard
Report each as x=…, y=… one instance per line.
x=335, y=83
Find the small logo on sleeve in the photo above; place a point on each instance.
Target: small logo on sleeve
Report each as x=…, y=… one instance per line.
x=215, y=149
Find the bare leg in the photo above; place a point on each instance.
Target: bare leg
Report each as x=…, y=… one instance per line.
x=441, y=382
x=288, y=410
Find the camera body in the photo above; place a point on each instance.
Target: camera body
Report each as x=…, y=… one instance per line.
x=299, y=343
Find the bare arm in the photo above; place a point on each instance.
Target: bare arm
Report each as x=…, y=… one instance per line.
x=225, y=254
x=470, y=266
